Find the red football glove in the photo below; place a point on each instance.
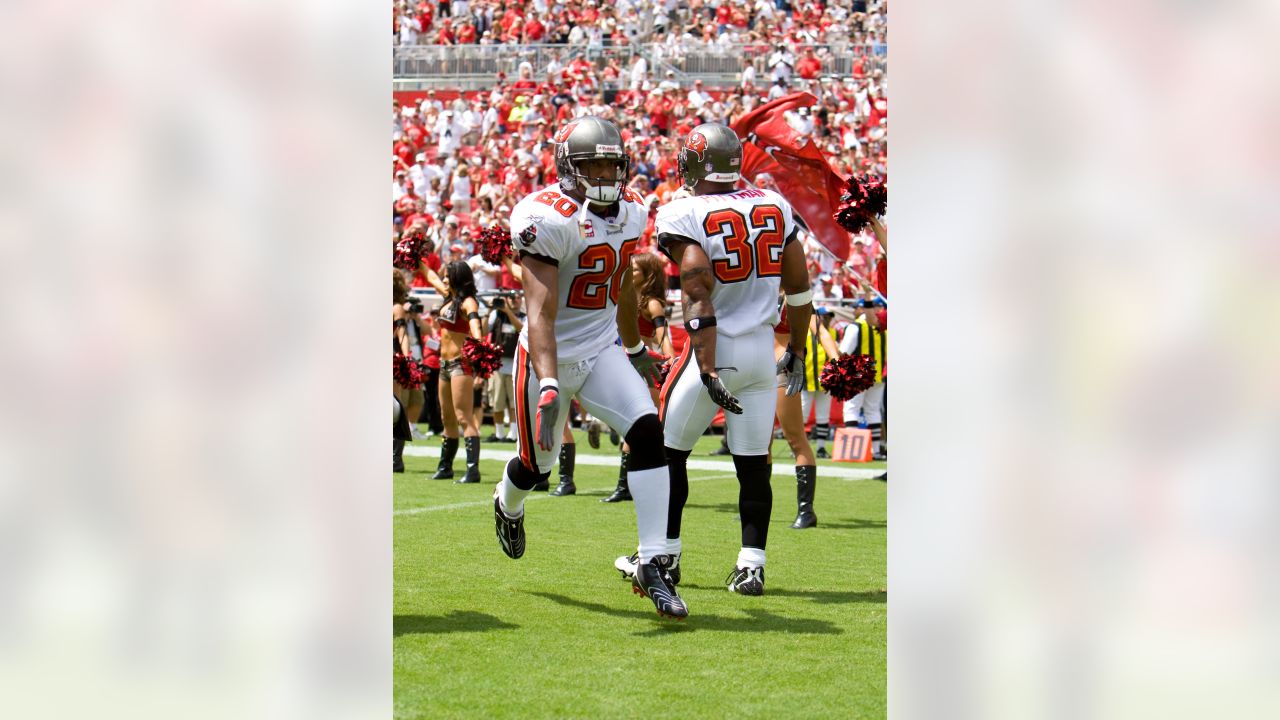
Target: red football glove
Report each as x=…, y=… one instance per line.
x=548, y=413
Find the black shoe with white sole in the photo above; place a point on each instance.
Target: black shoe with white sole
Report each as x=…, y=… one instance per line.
x=626, y=564
x=650, y=580
x=746, y=581
x=510, y=531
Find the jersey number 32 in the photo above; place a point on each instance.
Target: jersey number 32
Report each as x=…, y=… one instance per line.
x=764, y=256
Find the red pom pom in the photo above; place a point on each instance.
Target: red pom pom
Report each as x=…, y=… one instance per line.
x=410, y=249
x=847, y=376
x=406, y=371
x=494, y=244
x=864, y=197
x=852, y=218
x=877, y=201
x=484, y=357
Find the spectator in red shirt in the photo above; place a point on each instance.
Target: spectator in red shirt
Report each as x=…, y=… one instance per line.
x=405, y=151
x=809, y=65
x=658, y=106
x=466, y=33
x=534, y=30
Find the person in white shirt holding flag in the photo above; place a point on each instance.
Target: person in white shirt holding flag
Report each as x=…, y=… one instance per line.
x=735, y=249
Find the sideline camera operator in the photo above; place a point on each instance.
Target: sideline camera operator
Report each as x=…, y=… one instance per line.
x=506, y=320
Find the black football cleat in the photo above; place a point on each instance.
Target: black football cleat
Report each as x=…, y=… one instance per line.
x=823, y=454
x=510, y=531
x=746, y=581
x=650, y=580
x=593, y=434
x=670, y=564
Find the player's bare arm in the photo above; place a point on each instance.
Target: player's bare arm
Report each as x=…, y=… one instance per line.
x=696, y=283
x=795, y=282
x=799, y=309
x=629, y=332
x=628, y=313
x=540, y=282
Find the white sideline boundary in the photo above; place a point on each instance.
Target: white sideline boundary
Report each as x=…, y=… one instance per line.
x=532, y=496
x=824, y=471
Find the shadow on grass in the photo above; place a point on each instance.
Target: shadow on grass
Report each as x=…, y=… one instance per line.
x=759, y=621
x=855, y=524
x=456, y=621
x=821, y=597
x=731, y=507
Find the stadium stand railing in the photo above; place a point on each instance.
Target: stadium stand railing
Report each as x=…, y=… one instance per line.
x=471, y=67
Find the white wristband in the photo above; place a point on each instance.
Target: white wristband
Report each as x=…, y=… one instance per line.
x=545, y=383
x=800, y=298
x=638, y=347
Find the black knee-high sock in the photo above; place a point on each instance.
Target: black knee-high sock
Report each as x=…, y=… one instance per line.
x=755, y=498
x=821, y=432
x=677, y=466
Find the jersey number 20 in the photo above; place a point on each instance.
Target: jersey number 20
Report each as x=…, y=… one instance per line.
x=604, y=267
x=765, y=258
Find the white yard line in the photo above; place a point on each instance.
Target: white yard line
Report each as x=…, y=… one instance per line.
x=824, y=471
x=533, y=496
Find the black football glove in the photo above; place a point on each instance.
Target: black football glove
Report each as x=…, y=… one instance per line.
x=792, y=365
x=720, y=394
x=548, y=412
x=644, y=364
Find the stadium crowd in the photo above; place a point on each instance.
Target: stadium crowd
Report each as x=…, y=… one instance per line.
x=675, y=23
x=462, y=160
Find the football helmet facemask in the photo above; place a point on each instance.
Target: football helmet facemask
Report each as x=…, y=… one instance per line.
x=591, y=138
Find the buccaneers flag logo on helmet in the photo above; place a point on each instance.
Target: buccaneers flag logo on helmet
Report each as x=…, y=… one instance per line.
x=564, y=132
x=697, y=143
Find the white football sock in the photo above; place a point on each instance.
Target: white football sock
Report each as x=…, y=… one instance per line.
x=651, y=491
x=511, y=428
x=500, y=431
x=510, y=497
x=674, y=547
x=750, y=557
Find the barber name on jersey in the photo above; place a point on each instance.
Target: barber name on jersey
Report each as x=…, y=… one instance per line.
x=591, y=254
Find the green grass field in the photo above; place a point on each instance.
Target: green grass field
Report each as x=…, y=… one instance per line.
x=558, y=633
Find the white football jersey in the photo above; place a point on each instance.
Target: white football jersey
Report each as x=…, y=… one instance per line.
x=591, y=252
x=743, y=233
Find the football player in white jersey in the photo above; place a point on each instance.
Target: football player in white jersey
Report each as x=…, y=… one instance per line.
x=735, y=248
x=575, y=241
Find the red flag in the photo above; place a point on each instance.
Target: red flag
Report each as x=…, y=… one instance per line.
x=798, y=168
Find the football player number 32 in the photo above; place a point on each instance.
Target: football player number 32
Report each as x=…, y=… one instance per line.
x=765, y=258
x=604, y=267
